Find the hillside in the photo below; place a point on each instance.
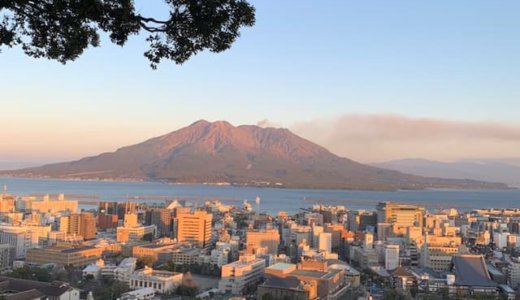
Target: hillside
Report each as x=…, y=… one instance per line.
x=493, y=171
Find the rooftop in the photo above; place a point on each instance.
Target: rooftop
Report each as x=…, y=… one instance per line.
x=471, y=270
x=18, y=286
x=281, y=266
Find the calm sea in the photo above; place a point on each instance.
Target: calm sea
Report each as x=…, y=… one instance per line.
x=272, y=199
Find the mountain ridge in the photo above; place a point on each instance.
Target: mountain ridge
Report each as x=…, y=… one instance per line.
x=218, y=152
x=484, y=170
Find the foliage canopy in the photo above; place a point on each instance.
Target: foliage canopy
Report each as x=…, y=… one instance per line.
x=62, y=29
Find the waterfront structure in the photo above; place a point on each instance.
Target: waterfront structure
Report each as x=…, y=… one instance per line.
x=161, y=281
x=194, y=227
x=47, y=205
x=238, y=275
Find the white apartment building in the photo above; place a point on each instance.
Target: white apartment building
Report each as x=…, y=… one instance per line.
x=220, y=255
x=18, y=237
x=126, y=268
x=161, y=281
x=325, y=242
x=239, y=274
x=391, y=257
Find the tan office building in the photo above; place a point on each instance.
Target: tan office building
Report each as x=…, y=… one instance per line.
x=64, y=255
x=269, y=238
x=194, y=227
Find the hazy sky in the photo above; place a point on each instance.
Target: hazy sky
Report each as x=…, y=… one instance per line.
x=305, y=62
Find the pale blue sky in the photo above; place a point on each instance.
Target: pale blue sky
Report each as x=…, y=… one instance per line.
x=303, y=60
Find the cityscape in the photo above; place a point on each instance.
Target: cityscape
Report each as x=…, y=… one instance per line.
x=50, y=248
x=259, y=150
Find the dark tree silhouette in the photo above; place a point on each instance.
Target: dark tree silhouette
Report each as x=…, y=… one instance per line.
x=62, y=29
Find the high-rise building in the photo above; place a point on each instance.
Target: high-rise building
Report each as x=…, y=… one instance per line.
x=325, y=242
x=391, y=257
x=18, y=237
x=162, y=218
x=7, y=203
x=194, y=227
x=400, y=216
x=7, y=256
x=268, y=238
x=83, y=224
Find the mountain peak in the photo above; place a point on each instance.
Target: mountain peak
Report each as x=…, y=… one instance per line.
x=211, y=152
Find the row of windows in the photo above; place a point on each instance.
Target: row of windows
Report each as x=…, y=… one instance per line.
x=138, y=283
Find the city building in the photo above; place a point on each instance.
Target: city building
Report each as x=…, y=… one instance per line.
x=7, y=256
x=136, y=233
x=400, y=216
x=83, y=225
x=238, y=275
x=162, y=218
x=151, y=250
x=64, y=255
x=220, y=255
x=46, y=204
x=18, y=237
x=391, y=257
x=161, y=281
x=437, y=252
x=472, y=276
x=14, y=288
x=287, y=288
x=269, y=238
x=125, y=269
x=194, y=227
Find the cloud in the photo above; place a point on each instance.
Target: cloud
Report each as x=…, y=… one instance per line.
x=381, y=137
x=267, y=123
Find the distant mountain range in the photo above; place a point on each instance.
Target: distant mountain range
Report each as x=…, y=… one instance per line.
x=219, y=152
x=507, y=171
